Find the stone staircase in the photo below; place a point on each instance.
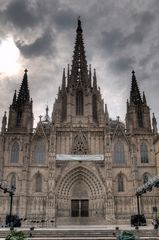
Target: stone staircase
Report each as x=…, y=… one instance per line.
x=80, y=234
x=78, y=221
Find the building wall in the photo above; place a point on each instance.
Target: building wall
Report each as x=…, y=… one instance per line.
x=80, y=125
x=78, y=179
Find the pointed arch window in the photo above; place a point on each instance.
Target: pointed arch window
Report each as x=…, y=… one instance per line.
x=94, y=106
x=120, y=183
x=140, y=118
x=79, y=103
x=39, y=152
x=80, y=145
x=119, y=156
x=19, y=116
x=144, y=153
x=15, y=153
x=13, y=181
x=38, y=182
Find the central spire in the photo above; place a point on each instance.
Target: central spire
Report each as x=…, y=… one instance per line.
x=79, y=71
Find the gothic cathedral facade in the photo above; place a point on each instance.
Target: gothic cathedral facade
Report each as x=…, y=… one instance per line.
x=79, y=166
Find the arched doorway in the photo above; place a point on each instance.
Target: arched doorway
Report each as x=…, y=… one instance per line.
x=80, y=200
x=80, y=194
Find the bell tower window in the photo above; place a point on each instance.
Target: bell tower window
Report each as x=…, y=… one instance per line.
x=144, y=153
x=79, y=103
x=94, y=107
x=120, y=183
x=39, y=152
x=38, y=182
x=80, y=145
x=15, y=153
x=119, y=156
x=140, y=118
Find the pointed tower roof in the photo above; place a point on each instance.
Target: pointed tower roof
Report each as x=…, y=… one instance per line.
x=135, y=96
x=4, y=122
x=94, y=80
x=46, y=118
x=79, y=72
x=24, y=95
x=14, y=98
x=144, y=99
x=63, y=80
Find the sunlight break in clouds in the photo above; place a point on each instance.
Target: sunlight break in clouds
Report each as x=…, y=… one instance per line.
x=9, y=57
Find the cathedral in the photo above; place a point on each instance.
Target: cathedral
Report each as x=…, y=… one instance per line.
x=78, y=166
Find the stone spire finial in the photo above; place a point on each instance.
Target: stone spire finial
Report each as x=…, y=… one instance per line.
x=63, y=80
x=68, y=75
x=79, y=28
x=40, y=117
x=154, y=123
x=118, y=118
x=144, y=99
x=47, y=118
x=14, y=98
x=90, y=75
x=133, y=73
x=4, y=122
x=94, y=80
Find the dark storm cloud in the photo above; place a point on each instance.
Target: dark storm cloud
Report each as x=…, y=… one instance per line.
x=24, y=14
x=155, y=66
x=141, y=31
x=153, y=51
x=125, y=32
x=111, y=39
x=122, y=64
x=29, y=18
x=117, y=39
x=41, y=46
x=65, y=19
x=20, y=14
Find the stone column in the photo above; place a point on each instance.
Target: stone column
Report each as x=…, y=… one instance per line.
x=109, y=200
x=51, y=196
x=135, y=174
x=24, y=180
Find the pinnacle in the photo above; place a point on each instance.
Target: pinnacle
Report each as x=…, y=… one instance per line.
x=24, y=95
x=135, y=96
x=79, y=28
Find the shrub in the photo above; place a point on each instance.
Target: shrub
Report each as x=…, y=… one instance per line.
x=15, y=235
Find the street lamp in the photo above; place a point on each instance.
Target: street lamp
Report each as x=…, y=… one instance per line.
x=11, y=193
x=10, y=190
x=138, y=209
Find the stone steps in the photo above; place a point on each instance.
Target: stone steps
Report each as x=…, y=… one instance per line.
x=80, y=234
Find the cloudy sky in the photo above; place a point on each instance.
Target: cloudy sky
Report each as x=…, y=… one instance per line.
x=119, y=35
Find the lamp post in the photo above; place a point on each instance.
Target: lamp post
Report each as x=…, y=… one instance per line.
x=10, y=212
x=10, y=190
x=138, y=209
x=148, y=186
